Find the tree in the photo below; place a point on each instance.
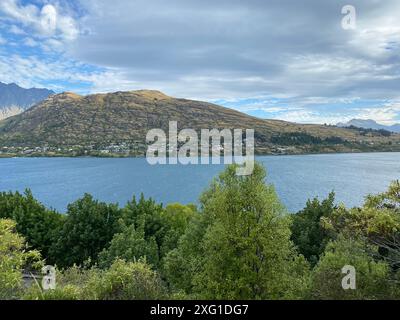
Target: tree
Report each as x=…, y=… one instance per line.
x=145, y=215
x=377, y=221
x=89, y=227
x=386, y=200
x=247, y=249
x=14, y=256
x=38, y=225
x=130, y=245
x=371, y=277
x=153, y=232
x=184, y=262
x=308, y=234
x=241, y=245
x=176, y=218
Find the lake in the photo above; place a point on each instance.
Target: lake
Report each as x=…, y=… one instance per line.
x=59, y=181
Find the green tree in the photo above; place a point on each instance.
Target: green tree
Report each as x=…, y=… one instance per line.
x=130, y=245
x=308, y=234
x=241, y=245
x=389, y=199
x=14, y=257
x=377, y=221
x=89, y=227
x=145, y=215
x=247, y=249
x=153, y=232
x=176, y=218
x=372, y=277
x=184, y=262
x=38, y=225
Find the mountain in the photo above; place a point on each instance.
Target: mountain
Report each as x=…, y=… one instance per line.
x=117, y=123
x=370, y=124
x=14, y=99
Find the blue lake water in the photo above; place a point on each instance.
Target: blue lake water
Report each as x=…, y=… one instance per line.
x=59, y=181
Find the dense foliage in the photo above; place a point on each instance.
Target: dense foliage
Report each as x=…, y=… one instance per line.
x=302, y=138
x=88, y=227
x=38, y=225
x=240, y=243
x=13, y=258
x=122, y=281
x=308, y=233
x=372, y=282
x=239, y=248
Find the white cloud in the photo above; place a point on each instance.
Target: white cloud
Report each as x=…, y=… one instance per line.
x=232, y=49
x=33, y=71
x=378, y=31
x=226, y=49
x=16, y=30
x=25, y=14
x=29, y=42
x=305, y=115
x=386, y=114
x=47, y=21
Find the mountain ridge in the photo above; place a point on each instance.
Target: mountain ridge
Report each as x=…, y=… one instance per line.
x=15, y=99
x=101, y=124
x=370, y=124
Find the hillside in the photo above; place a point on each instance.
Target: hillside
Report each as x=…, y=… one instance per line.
x=14, y=99
x=117, y=123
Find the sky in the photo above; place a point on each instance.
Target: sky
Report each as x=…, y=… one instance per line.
x=277, y=59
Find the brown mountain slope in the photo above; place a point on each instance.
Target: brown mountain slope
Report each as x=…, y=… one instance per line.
x=70, y=120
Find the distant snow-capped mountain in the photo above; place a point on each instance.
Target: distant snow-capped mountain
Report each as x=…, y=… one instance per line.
x=370, y=124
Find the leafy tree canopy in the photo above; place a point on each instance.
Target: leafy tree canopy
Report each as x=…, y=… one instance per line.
x=308, y=234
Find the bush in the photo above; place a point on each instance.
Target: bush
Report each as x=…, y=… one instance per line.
x=89, y=227
x=372, y=278
x=38, y=225
x=149, y=231
x=14, y=256
x=308, y=233
x=130, y=245
x=122, y=281
x=125, y=281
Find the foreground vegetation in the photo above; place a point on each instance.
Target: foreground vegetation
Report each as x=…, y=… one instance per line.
x=240, y=243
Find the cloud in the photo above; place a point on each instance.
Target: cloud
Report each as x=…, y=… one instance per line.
x=226, y=49
x=318, y=109
x=387, y=114
x=306, y=115
x=29, y=42
x=46, y=21
x=53, y=73
x=292, y=58
x=16, y=30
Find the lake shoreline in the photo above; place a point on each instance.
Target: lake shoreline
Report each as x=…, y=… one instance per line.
x=118, y=156
x=297, y=178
